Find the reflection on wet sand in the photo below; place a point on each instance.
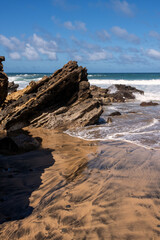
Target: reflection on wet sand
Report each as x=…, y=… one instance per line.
x=95, y=190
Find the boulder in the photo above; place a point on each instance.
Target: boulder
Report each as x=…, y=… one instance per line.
x=147, y=104
x=115, y=93
x=2, y=58
x=62, y=100
x=12, y=87
x=124, y=93
x=115, y=114
x=109, y=120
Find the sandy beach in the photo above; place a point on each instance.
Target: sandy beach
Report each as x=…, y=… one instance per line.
x=76, y=189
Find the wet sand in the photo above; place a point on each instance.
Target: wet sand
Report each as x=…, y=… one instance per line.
x=76, y=189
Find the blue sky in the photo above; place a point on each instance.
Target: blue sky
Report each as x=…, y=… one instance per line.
x=103, y=35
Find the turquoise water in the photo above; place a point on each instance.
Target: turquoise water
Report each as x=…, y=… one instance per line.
x=125, y=76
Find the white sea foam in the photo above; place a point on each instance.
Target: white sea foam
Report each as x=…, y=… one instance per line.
x=148, y=96
x=23, y=79
x=97, y=82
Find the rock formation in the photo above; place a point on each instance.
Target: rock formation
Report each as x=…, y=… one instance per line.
x=115, y=93
x=148, y=104
x=12, y=87
x=62, y=100
x=3, y=82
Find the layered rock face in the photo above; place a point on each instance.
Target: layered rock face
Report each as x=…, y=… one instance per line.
x=62, y=100
x=3, y=82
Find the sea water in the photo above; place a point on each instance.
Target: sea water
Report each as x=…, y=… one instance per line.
x=138, y=125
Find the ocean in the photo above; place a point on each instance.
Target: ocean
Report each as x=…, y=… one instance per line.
x=138, y=125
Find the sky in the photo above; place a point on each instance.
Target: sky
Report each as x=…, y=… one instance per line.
x=102, y=35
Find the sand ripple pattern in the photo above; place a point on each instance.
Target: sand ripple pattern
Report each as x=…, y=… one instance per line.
x=95, y=190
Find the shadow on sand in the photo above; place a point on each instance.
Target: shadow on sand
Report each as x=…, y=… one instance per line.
x=20, y=175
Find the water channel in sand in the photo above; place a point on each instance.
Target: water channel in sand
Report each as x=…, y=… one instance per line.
x=93, y=190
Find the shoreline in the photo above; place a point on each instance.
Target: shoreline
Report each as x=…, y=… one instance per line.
x=93, y=190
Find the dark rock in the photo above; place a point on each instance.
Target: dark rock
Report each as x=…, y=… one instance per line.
x=3, y=82
x=2, y=58
x=98, y=92
x=3, y=76
x=122, y=87
x=12, y=87
x=146, y=104
x=125, y=92
x=62, y=100
x=3, y=89
x=115, y=93
x=115, y=114
x=109, y=120
x=1, y=67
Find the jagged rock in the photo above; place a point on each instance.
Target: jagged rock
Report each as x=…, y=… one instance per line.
x=109, y=120
x=122, y=87
x=124, y=93
x=98, y=92
x=115, y=93
x=12, y=87
x=147, y=104
x=62, y=100
x=115, y=114
x=1, y=67
x=3, y=82
x=2, y=58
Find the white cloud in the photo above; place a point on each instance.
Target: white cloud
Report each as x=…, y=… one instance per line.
x=99, y=55
x=47, y=48
x=123, y=34
x=103, y=35
x=6, y=42
x=122, y=7
x=51, y=54
x=15, y=55
x=153, y=54
x=40, y=42
x=12, y=43
x=30, y=52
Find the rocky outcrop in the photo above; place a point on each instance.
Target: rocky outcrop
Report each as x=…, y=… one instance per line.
x=62, y=100
x=115, y=114
x=3, y=82
x=115, y=93
x=12, y=87
x=147, y=104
